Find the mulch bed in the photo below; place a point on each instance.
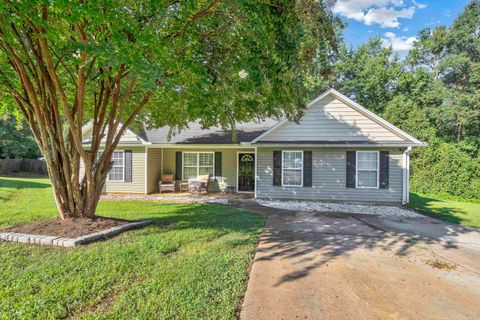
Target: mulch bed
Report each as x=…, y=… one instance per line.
x=68, y=228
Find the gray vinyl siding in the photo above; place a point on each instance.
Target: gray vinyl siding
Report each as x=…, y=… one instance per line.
x=138, y=174
x=328, y=178
x=229, y=165
x=154, y=168
x=332, y=120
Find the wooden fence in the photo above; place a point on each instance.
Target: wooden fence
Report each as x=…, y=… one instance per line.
x=34, y=166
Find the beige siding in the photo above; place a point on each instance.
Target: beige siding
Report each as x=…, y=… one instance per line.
x=154, y=165
x=229, y=165
x=332, y=120
x=138, y=174
x=328, y=178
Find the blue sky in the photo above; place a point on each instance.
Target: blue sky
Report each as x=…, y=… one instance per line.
x=397, y=22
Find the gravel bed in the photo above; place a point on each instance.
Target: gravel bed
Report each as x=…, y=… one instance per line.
x=310, y=206
x=164, y=199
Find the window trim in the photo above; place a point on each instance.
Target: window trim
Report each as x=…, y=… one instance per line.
x=301, y=169
x=123, y=168
x=377, y=170
x=198, y=162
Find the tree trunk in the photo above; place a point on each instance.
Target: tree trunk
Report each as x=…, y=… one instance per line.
x=77, y=198
x=54, y=107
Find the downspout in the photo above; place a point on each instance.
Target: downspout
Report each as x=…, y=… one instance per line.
x=406, y=176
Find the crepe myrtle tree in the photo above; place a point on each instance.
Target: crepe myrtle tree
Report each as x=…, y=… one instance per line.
x=116, y=63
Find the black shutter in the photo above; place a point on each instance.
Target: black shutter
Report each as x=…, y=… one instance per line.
x=307, y=168
x=178, y=165
x=218, y=165
x=384, y=169
x=128, y=165
x=277, y=168
x=351, y=168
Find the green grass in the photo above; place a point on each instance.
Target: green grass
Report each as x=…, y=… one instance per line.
x=455, y=211
x=195, y=268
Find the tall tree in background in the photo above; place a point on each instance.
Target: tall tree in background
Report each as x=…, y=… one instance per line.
x=452, y=58
x=64, y=63
x=368, y=74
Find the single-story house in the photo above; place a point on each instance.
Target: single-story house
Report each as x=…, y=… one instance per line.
x=338, y=151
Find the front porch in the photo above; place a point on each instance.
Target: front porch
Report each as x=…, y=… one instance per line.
x=231, y=169
x=180, y=197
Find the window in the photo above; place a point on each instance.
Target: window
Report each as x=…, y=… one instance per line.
x=367, y=169
x=292, y=168
x=117, y=172
x=197, y=163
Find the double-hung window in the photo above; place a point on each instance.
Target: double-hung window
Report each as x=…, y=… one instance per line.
x=292, y=168
x=117, y=173
x=367, y=169
x=197, y=163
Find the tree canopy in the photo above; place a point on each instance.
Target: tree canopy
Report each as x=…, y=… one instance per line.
x=115, y=62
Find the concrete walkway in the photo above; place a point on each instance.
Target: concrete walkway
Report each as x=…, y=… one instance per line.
x=318, y=266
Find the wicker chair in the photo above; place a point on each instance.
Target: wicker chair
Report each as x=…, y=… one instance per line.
x=200, y=184
x=167, y=183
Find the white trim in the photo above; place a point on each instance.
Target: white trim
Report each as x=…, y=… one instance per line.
x=406, y=176
x=146, y=169
x=123, y=168
x=255, y=172
x=335, y=145
x=198, y=161
x=301, y=169
x=378, y=169
x=384, y=123
x=199, y=146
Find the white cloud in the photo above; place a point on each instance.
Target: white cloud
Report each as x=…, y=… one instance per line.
x=398, y=43
x=419, y=5
x=382, y=12
x=405, y=29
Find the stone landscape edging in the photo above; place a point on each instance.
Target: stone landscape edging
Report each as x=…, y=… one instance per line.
x=70, y=242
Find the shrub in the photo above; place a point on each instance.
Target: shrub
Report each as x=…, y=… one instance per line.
x=444, y=168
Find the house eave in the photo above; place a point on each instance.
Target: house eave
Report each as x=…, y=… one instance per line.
x=200, y=146
x=335, y=144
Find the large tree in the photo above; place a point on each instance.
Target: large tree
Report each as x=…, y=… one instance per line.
x=112, y=63
x=367, y=73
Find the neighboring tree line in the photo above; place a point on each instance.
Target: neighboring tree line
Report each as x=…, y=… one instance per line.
x=433, y=93
x=16, y=140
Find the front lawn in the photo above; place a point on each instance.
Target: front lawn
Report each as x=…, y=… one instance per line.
x=454, y=211
x=195, y=268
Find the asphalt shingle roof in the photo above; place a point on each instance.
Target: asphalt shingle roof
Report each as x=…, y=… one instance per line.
x=194, y=134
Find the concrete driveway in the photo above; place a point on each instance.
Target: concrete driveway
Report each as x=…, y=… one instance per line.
x=318, y=266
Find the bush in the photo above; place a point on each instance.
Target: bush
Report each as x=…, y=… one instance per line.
x=444, y=168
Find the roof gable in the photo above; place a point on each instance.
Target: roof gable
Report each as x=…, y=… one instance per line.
x=334, y=118
x=128, y=138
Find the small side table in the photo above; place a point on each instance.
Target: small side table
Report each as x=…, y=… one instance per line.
x=183, y=186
